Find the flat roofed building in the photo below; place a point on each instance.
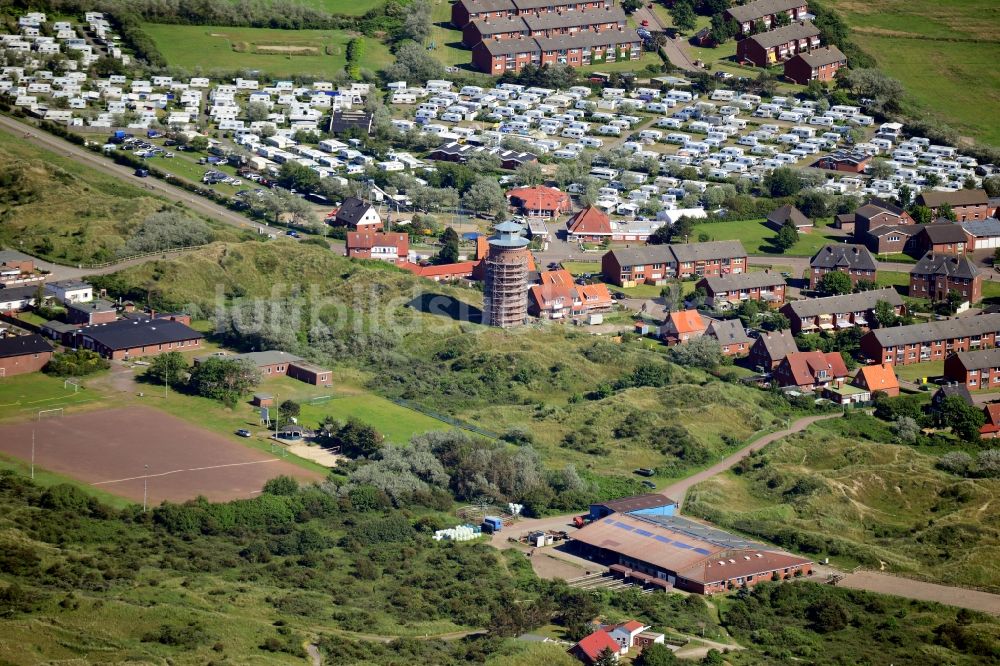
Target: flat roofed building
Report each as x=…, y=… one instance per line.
x=21, y=354
x=130, y=338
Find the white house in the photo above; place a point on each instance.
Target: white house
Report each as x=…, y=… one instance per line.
x=70, y=291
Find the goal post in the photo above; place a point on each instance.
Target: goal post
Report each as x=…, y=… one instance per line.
x=71, y=382
x=54, y=413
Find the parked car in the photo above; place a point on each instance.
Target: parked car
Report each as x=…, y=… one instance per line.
x=141, y=173
x=645, y=471
x=243, y=432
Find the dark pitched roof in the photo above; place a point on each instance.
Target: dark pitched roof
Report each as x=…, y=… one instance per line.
x=352, y=210
x=737, y=281
x=860, y=302
x=935, y=198
x=711, y=250
x=96, y=305
x=129, y=333
x=476, y=6
x=789, y=33
x=937, y=330
x=638, y=256
x=574, y=19
x=21, y=345
x=949, y=390
x=982, y=228
x=875, y=206
x=855, y=257
x=17, y=294
x=944, y=232
x=902, y=229
x=824, y=56
x=789, y=212
x=501, y=25
x=637, y=502
x=777, y=344
x=728, y=332
x=945, y=264
x=979, y=360
x=761, y=8
x=497, y=47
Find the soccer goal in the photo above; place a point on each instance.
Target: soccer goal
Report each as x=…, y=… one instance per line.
x=46, y=414
x=71, y=382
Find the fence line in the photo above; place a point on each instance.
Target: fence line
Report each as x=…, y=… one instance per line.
x=172, y=250
x=445, y=419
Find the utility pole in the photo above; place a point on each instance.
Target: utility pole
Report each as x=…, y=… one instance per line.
x=145, y=487
x=32, y=455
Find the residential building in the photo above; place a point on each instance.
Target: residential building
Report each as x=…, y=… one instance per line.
x=878, y=378
x=275, y=363
x=345, y=120
x=778, y=217
x=627, y=635
x=765, y=11
x=391, y=247
x=883, y=227
x=17, y=268
x=982, y=234
x=461, y=270
x=976, y=370
x=70, y=291
x=539, y=201
x=728, y=291
x=732, y=337
x=16, y=299
x=558, y=297
x=590, y=224
x=591, y=648
x=130, y=338
x=960, y=391
x=682, y=327
x=770, y=348
x=87, y=313
x=819, y=64
x=579, y=49
x=855, y=261
x=850, y=161
x=935, y=275
x=991, y=428
x=543, y=25
x=354, y=213
x=933, y=341
x=968, y=205
x=464, y=11
x=21, y=354
x=811, y=370
x=941, y=237
x=831, y=313
x=499, y=28
x=667, y=552
x=711, y=258
x=768, y=48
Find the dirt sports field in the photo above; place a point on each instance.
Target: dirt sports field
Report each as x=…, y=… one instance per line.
x=109, y=448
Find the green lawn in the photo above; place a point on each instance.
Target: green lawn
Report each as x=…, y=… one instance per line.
x=23, y=396
x=918, y=371
x=893, y=279
x=348, y=7
x=581, y=267
x=397, y=423
x=277, y=52
x=756, y=237
x=916, y=41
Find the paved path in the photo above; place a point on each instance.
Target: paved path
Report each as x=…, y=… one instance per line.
x=875, y=581
x=678, y=57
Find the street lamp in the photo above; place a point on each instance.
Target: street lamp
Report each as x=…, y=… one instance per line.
x=145, y=487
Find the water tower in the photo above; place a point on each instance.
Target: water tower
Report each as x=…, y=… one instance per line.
x=505, y=296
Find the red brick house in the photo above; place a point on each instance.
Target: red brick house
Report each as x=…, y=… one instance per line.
x=933, y=341
x=847, y=161
x=18, y=268
x=131, y=338
x=711, y=258
x=558, y=296
x=682, y=327
x=879, y=377
x=505, y=27
x=883, y=227
x=991, y=428
x=834, y=313
x=539, y=201
x=21, y=354
x=97, y=311
x=391, y=247
x=977, y=370
x=819, y=64
x=627, y=267
x=778, y=45
x=935, y=275
x=732, y=337
x=811, y=370
x=728, y=291
x=590, y=224
x=357, y=214
x=966, y=204
x=789, y=213
x=853, y=260
x=464, y=11
x=576, y=50
x=941, y=237
x=770, y=348
x=272, y=363
x=765, y=11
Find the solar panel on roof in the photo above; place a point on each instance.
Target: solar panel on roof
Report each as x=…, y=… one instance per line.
x=683, y=545
x=701, y=551
x=662, y=539
x=628, y=528
x=644, y=533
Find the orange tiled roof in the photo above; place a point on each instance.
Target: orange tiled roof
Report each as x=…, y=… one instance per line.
x=878, y=377
x=687, y=321
x=540, y=198
x=590, y=220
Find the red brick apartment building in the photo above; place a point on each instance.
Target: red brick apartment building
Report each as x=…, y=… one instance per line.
x=941, y=237
x=816, y=65
x=130, y=338
x=834, y=313
x=937, y=274
x=21, y=354
x=883, y=227
x=543, y=25
x=728, y=291
x=811, y=370
x=654, y=264
x=391, y=247
x=778, y=45
x=766, y=11
x=558, y=297
x=978, y=370
x=855, y=261
x=933, y=341
x=583, y=48
x=966, y=204
x=464, y=11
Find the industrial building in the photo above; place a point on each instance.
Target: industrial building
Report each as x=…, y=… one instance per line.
x=641, y=537
x=505, y=294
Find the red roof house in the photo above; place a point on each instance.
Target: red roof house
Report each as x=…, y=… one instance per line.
x=878, y=378
x=683, y=326
x=539, y=201
x=590, y=224
x=462, y=269
x=810, y=370
x=393, y=247
x=558, y=296
x=991, y=429
x=589, y=649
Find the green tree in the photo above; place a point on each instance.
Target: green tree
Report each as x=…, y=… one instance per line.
x=835, y=283
x=921, y=214
x=606, y=656
x=199, y=143
x=682, y=15
x=992, y=186
x=76, y=363
x=702, y=352
x=298, y=177
x=879, y=168
x=885, y=314
x=787, y=236
x=630, y=6
x=448, y=254
x=783, y=182
x=281, y=485
x=945, y=210
x=357, y=439
x=528, y=174
x=290, y=409
x=722, y=29
x=167, y=368
x=963, y=419
x=484, y=196
x=224, y=379
x=656, y=654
